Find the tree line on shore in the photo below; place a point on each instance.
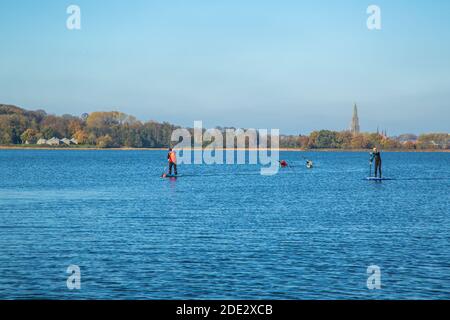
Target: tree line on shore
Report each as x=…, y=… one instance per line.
x=326, y=139
x=115, y=129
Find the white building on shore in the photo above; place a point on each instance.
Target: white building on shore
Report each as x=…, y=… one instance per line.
x=56, y=142
x=41, y=142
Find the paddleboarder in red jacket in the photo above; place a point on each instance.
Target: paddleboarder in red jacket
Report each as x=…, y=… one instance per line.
x=172, y=158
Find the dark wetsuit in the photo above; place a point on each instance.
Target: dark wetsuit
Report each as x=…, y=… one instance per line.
x=377, y=157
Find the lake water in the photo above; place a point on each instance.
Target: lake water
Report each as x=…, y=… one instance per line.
x=223, y=231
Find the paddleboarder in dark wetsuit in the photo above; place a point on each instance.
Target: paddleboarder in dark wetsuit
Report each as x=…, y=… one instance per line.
x=376, y=155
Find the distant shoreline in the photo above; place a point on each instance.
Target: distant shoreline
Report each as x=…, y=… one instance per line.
x=193, y=149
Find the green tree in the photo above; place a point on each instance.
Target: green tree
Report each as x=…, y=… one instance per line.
x=48, y=132
x=323, y=139
x=30, y=136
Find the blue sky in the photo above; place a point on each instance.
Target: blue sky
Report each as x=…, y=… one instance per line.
x=293, y=65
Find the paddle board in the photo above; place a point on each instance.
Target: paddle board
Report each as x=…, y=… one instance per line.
x=170, y=176
x=378, y=179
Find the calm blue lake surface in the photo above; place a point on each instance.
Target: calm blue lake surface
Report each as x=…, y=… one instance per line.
x=224, y=231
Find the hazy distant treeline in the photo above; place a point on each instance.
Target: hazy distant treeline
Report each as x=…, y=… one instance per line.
x=116, y=129
x=326, y=139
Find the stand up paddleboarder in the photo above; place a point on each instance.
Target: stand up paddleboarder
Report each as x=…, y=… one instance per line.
x=376, y=155
x=172, y=158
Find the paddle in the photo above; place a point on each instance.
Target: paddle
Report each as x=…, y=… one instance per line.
x=291, y=167
x=164, y=171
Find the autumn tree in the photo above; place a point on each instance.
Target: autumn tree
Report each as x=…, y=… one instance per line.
x=81, y=136
x=105, y=142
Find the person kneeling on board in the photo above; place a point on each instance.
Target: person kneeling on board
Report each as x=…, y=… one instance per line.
x=283, y=164
x=172, y=158
x=376, y=155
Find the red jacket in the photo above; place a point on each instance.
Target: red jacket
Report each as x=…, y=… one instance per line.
x=172, y=156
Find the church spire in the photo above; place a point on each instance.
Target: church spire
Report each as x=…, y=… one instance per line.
x=354, y=128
